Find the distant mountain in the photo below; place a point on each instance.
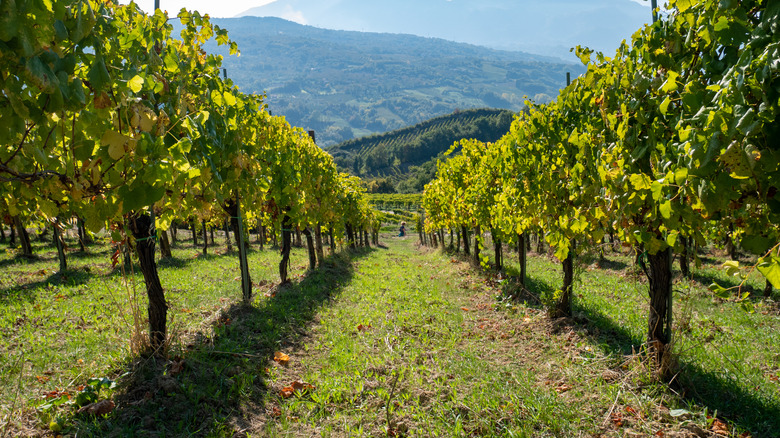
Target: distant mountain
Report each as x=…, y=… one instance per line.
x=548, y=27
x=349, y=84
x=405, y=159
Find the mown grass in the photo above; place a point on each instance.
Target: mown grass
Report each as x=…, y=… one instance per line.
x=58, y=330
x=394, y=341
x=727, y=362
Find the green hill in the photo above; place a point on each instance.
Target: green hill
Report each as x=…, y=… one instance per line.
x=404, y=160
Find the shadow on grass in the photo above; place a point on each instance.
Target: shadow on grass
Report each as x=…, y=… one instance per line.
x=29, y=291
x=602, y=261
x=532, y=292
x=218, y=384
x=706, y=279
x=175, y=262
x=19, y=259
x=720, y=393
x=739, y=405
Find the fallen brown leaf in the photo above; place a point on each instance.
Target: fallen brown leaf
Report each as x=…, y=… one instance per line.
x=281, y=358
x=720, y=428
x=177, y=366
x=299, y=385
x=100, y=408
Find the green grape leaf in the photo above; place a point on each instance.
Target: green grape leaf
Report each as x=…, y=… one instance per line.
x=719, y=291
x=756, y=243
x=666, y=209
x=9, y=20
x=41, y=75
x=770, y=268
x=139, y=196
x=656, y=188
x=98, y=74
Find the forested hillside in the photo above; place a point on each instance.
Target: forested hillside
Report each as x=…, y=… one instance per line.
x=405, y=159
x=351, y=84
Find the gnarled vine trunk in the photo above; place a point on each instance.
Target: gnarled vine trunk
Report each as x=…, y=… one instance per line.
x=205, y=238
x=233, y=209
x=685, y=267
x=659, y=334
x=227, y=236
x=477, y=244
x=350, y=235
x=142, y=227
x=497, y=250
x=521, y=256
x=194, y=231
x=310, y=248
x=60, y=244
x=284, y=264
x=24, y=237
x=465, y=236
x=563, y=306
x=165, y=246
x=318, y=244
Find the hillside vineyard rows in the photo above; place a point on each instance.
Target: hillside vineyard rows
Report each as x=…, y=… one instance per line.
x=669, y=144
x=107, y=118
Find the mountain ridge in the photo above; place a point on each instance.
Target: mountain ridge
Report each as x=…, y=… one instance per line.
x=551, y=27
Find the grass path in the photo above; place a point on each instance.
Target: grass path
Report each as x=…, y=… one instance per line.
x=418, y=345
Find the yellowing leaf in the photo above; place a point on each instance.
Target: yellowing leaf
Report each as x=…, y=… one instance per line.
x=671, y=82
x=640, y=181
x=680, y=176
x=230, y=100
x=136, y=83
x=665, y=105
x=48, y=208
x=116, y=143
x=147, y=122
x=732, y=268
x=656, y=188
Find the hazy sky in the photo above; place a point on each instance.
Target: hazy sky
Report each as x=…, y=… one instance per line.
x=215, y=8
x=231, y=8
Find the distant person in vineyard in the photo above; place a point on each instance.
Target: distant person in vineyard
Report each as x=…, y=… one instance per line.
x=402, y=230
